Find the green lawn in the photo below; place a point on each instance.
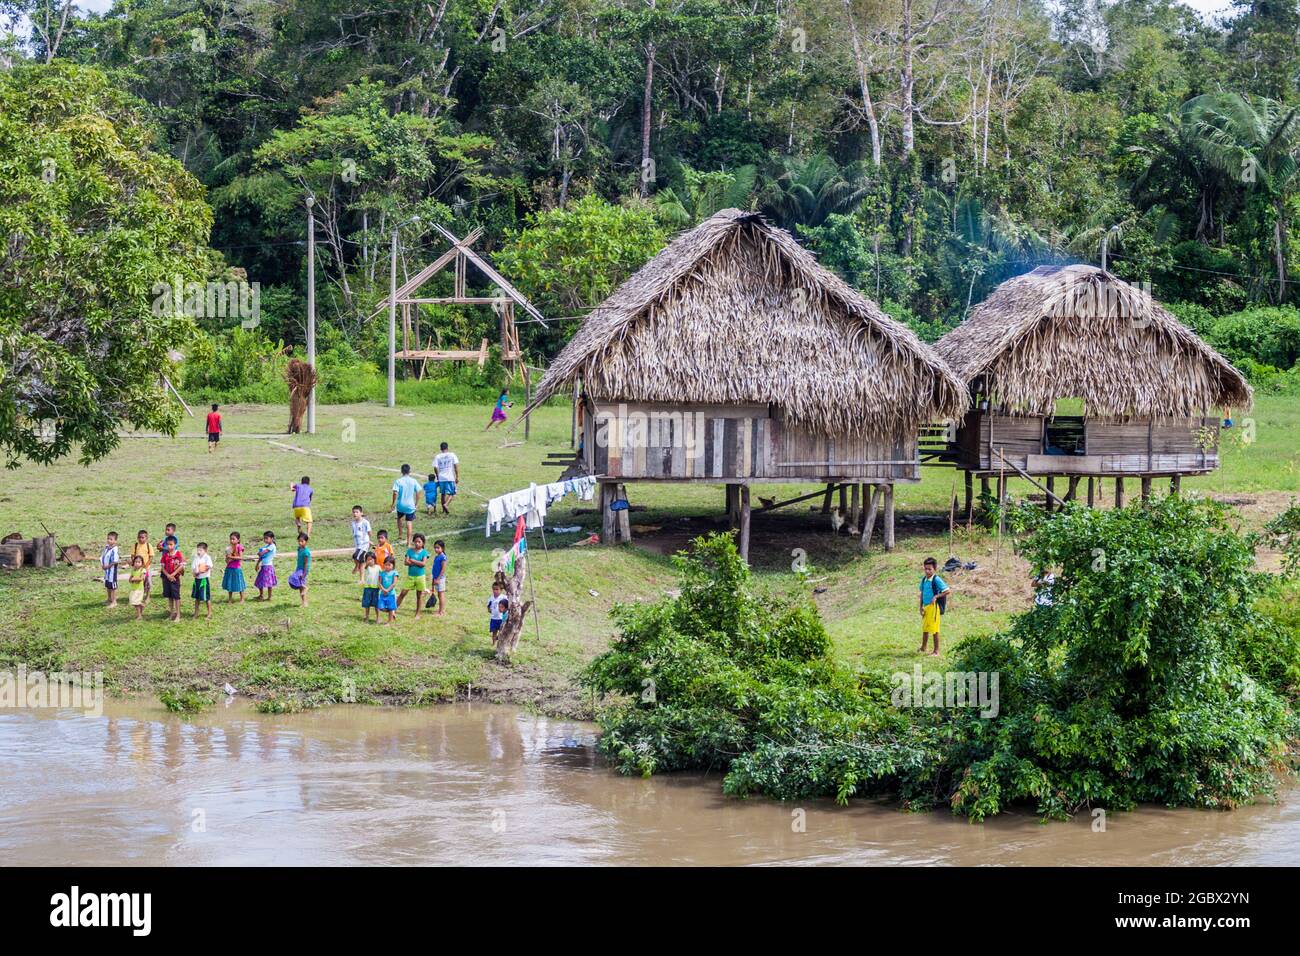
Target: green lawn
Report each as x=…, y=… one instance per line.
x=55, y=617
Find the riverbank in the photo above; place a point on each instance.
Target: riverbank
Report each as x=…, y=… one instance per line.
x=288, y=656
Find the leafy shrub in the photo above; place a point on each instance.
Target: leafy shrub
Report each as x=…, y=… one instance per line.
x=1267, y=336
x=184, y=700
x=1152, y=677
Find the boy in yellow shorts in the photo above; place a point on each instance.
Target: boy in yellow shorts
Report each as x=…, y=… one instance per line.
x=302, y=493
x=933, y=590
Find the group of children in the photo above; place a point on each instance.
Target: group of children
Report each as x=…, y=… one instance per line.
x=376, y=570
x=171, y=567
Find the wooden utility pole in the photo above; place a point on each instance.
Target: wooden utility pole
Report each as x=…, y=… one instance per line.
x=744, y=523
x=392, y=326
x=311, y=311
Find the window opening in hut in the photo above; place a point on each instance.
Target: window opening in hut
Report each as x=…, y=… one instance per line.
x=1063, y=432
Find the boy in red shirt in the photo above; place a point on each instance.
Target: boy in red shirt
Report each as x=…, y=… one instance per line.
x=214, y=427
x=173, y=566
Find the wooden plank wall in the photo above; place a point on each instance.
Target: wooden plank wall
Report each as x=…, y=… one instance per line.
x=1113, y=445
x=726, y=442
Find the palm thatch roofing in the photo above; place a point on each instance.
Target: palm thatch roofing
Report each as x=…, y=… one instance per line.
x=735, y=311
x=1079, y=332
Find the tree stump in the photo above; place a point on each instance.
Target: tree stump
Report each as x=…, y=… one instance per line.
x=507, y=639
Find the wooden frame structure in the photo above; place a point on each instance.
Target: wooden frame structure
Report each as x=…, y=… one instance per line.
x=416, y=348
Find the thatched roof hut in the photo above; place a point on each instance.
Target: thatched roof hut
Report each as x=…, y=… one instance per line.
x=735, y=311
x=1080, y=332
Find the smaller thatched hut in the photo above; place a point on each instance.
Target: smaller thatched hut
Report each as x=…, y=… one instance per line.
x=1074, y=372
x=732, y=357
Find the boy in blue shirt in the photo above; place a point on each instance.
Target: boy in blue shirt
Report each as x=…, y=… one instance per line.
x=431, y=488
x=933, y=590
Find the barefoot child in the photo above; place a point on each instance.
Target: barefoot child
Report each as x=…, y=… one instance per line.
x=431, y=495
x=214, y=429
x=173, y=566
x=384, y=549
x=387, y=587
x=360, y=540
x=417, y=574
x=143, y=550
x=498, y=606
x=499, y=410
x=302, y=493
x=108, y=560
x=137, y=579
x=438, y=575
x=933, y=589
x=265, y=580
x=232, y=581
x=370, y=587
x=406, y=493
x=447, y=465
x=201, y=567
x=298, y=579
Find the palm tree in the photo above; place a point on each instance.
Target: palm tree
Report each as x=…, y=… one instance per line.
x=807, y=190
x=1174, y=162
x=1256, y=140
x=703, y=194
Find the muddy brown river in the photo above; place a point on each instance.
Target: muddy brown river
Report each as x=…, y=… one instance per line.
x=475, y=784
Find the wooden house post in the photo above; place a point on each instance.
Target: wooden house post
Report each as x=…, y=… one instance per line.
x=1051, y=492
x=1092, y=491
x=854, y=506
x=826, y=502
x=1119, y=492
x=1176, y=484
x=1146, y=487
x=869, y=523
x=744, y=523
x=970, y=496
x=889, y=517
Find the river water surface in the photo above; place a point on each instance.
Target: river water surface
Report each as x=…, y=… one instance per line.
x=476, y=784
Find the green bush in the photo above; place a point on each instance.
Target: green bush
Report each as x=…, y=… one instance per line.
x=1267, y=336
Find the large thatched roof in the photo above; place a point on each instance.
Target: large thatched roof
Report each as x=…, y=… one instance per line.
x=736, y=311
x=1078, y=332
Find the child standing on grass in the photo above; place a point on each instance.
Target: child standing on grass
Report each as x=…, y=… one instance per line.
x=201, y=567
x=384, y=550
x=214, y=428
x=169, y=534
x=387, y=587
x=360, y=540
x=370, y=587
x=498, y=606
x=438, y=574
x=232, y=581
x=417, y=561
x=143, y=550
x=265, y=580
x=173, y=566
x=108, y=559
x=447, y=465
x=431, y=495
x=302, y=493
x=298, y=580
x=933, y=588
x=137, y=579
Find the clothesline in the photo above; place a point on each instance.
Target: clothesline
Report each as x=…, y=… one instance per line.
x=531, y=503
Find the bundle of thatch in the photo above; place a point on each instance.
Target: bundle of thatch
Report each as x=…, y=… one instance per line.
x=302, y=379
x=1079, y=332
x=735, y=311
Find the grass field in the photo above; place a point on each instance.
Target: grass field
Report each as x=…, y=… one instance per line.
x=54, y=618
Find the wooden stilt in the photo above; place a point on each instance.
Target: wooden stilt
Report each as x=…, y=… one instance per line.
x=624, y=517
x=733, y=506
x=606, y=516
x=889, y=517
x=1092, y=491
x=869, y=523
x=1072, y=491
x=1119, y=492
x=1176, y=484
x=844, y=499
x=855, y=508
x=1051, y=491
x=826, y=502
x=970, y=496
x=1146, y=487
x=744, y=523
